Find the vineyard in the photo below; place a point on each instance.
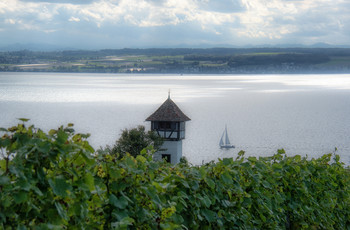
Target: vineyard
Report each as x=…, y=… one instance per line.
x=56, y=180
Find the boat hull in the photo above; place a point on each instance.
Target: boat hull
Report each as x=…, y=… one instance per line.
x=227, y=147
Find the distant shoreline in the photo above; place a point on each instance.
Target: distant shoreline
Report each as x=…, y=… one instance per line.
x=182, y=61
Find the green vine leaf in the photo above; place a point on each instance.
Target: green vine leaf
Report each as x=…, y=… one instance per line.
x=23, y=119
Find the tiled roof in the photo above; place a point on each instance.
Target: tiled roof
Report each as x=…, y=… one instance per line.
x=168, y=111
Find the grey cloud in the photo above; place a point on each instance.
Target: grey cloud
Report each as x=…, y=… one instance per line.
x=157, y=2
x=223, y=6
x=76, y=2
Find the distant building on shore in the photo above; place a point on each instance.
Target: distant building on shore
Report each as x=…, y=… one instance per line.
x=168, y=121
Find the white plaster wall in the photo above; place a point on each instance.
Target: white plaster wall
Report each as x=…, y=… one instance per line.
x=174, y=148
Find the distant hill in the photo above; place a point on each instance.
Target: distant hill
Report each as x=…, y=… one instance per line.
x=181, y=60
x=46, y=47
x=42, y=47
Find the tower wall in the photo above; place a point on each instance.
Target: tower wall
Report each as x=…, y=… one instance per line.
x=173, y=148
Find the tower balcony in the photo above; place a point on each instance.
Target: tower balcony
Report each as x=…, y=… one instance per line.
x=168, y=130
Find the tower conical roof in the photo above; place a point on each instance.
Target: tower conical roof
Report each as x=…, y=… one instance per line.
x=168, y=111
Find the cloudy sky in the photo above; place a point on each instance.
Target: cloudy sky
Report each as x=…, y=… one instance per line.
x=98, y=24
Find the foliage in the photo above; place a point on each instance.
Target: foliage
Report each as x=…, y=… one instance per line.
x=45, y=179
x=53, y=181
x=183, y=160
x=134, y=140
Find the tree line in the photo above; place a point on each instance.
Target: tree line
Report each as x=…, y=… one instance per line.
x=213, y=60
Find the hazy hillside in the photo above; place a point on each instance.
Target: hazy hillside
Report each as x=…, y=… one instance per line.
x=182, y=60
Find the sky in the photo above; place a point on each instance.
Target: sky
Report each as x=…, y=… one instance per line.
x=111, y=24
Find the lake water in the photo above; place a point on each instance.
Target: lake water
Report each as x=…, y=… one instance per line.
x=304, y=114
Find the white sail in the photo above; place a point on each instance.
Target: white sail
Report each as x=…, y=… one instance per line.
x=224, y=141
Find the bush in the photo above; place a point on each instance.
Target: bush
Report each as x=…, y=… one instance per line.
x=53, y=181
x=46, y=180
x=134, y=140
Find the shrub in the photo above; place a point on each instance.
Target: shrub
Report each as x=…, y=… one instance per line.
x=134, y=140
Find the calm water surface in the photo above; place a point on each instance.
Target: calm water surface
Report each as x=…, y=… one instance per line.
x=304, y=114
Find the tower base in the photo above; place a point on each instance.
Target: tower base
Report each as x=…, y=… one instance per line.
x=171, y=151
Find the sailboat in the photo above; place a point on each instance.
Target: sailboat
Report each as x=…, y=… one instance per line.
x=224, y=141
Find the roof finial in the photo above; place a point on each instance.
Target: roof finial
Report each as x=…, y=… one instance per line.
x=169, y=94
